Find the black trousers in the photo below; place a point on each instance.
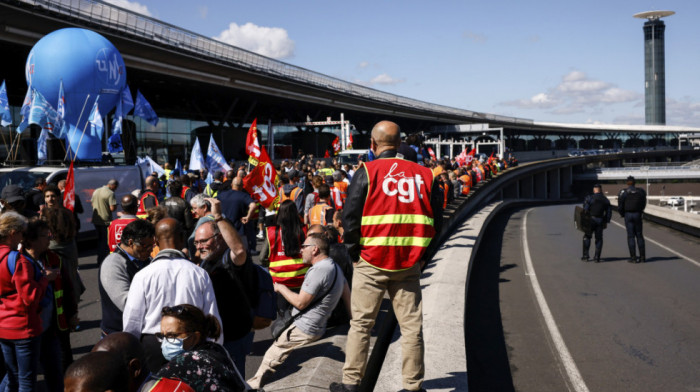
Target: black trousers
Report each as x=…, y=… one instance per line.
x=633, y=223
x=597, y=225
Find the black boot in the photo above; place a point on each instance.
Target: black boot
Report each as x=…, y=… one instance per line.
x=597, y=258
x=642, y=257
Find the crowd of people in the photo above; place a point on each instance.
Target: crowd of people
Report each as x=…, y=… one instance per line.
x=180, y=294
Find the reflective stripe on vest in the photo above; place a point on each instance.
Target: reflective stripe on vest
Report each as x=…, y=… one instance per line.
x=397, y=222
x=289, y=271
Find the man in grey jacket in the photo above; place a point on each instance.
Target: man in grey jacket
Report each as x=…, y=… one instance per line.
x=131, y=255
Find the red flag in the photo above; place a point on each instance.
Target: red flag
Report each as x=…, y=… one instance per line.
x=490, y=157
x=327, y=155
x=432, y=154
x=256, y=152
x=349, y=140
x=461, y=159
x=470, y=156
x=261, y=183
x=69, y=191
x=336, y=146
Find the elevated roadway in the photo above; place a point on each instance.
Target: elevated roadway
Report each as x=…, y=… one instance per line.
x=539, y=319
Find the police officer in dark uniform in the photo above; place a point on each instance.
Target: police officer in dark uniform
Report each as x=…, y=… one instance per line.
x=599, y=207
x=631, y=204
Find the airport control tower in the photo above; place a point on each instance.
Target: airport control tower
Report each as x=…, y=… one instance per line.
x=654, y=66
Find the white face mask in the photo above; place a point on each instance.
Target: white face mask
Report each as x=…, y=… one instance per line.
x=171, y=350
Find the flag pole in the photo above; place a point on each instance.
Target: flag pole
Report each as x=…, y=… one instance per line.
x=18, y=139
x=76, y=123
x=84, y=129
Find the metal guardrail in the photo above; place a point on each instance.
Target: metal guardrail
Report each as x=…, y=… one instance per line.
x=145, y=28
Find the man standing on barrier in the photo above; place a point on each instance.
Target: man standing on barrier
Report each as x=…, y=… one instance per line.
x=393, y=210
x=631, y=203
x=598, y=206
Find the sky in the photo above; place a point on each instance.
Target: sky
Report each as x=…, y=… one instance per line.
x=549, y=61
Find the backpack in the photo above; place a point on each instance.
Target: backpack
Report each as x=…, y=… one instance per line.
x=266, y=310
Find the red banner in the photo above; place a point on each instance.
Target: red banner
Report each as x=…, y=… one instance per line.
x=336, y=146
x=349, y=140
x=261, y=183
x=432, y=154
x=256, y=153
x=69, y=191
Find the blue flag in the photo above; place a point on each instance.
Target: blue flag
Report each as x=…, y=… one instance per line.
x=124, y=106
x=177, y=171
x=215, y=159
x=41, y=146
x=95, y=120
x=144, y=110
x=115, y=143
x=61, y=110
x=197, y=161
x=5, y=115
x=24, y=111
x=42, y=113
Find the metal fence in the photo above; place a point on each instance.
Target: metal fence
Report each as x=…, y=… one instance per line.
x=125, y=22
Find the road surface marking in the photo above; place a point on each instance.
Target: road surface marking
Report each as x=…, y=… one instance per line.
x=682, y=256
x=572, y=372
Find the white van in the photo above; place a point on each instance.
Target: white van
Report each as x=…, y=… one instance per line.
x=87, y=179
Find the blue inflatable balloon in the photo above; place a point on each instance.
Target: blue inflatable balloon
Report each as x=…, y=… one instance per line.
x=90, y=67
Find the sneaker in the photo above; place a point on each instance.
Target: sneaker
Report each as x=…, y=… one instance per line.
x=340, y=387
x=260, y=235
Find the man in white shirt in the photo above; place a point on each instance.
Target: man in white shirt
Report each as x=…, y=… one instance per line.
x=171, y=279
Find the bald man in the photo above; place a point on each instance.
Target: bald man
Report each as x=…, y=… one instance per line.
x=171, y=279
x=148, y=198
x=130, y=205
x=387, y=252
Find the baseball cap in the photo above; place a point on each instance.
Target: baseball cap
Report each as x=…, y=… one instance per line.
x=12, y=193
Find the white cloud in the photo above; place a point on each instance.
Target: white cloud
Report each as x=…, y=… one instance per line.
x=363, y=64
x=131, y=6
x=268, y=41
x=577, y=93
x=682, y=113
x=384, y=79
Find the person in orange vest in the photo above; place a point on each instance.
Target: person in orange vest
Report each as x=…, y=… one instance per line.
x=312, y=197
x=466, y=181
x=290, y=189
x=393, y=210
x=322, y=212
x=284, y=239
x=187, y=191
x=148, y=197
x=130, y=205
x=341, y=185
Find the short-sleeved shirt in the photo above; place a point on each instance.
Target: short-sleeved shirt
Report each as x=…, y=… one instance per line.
x=234, y=204
x=317, y=282
x=102, y=199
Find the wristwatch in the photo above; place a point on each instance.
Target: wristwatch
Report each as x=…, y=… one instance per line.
x=220, y=218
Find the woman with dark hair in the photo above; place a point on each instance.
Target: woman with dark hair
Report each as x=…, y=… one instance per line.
x=23, y=284
x=200, y=363
x=285, y=239
x=59, y=310
x=63, y=229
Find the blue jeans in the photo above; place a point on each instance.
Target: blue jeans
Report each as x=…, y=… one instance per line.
x=239, y=349
x=21, y=360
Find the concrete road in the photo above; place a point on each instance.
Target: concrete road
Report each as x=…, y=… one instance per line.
x=540, y=319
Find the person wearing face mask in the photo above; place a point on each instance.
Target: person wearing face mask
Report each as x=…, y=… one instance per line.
x=202, y=364
x=117, y=271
